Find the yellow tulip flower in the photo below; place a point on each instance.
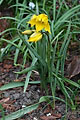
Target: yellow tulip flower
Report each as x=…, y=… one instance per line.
x=40, y=22
x=36, y=36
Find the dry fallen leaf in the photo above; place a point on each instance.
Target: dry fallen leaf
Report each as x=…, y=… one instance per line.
x=74, y=67
x=4, y=100
x=6, y=66
x=17, y=80
x=53, y=117
x=48, y=117
x=8, y=107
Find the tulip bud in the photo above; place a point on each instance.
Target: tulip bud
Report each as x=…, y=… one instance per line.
x=27, y=32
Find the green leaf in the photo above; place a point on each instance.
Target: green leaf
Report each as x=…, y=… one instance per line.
x=7, y=30
x=71, y=82
x=1, y=2
x=33, y=50
x=29, y=74
x=16, y=84
x=66, y=15
x=11, y=85
x=54, y=9
x=24, y=111
x=17, y=52
x=34, y=82
x=26, y=70
x=10, y=18
x=9, y=42
x=21, y=112
x=2, y=112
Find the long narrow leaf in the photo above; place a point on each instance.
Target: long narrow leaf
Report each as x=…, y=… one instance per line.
x=33, y=51
x=11, y=85
x=29, y=74
x=24, y=111
x=17, y=52
x=65, y=16
x=21, y=112
x=26, y=70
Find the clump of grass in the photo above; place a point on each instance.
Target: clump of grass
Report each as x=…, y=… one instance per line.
x=48, y=55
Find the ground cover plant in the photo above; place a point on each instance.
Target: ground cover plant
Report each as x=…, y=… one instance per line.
x=54, y=25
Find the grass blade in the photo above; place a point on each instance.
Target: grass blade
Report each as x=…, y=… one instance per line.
x=11, y=85
x=17, y=52
x=29, y=74
x=66, y=15
x=21, y=112
x=2, y=112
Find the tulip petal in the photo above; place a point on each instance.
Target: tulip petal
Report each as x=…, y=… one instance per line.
x=39, y=26
x=27, y=32
x=47, y=28
x=35, y=37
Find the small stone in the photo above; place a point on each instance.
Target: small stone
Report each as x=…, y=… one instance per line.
x=28, y=95
x=23, y=94
x=24, y=103
x=6, y=94
x=25, y=99
x=12, y=76
x=49, y=114
x=23, y=106
x=38, y=91
x=12, y=92
x=16, y=103
x=29, y=102
x=35, y=118
x=16, y=95
x=36, y=96
x=20, y=103
x=34, y=87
